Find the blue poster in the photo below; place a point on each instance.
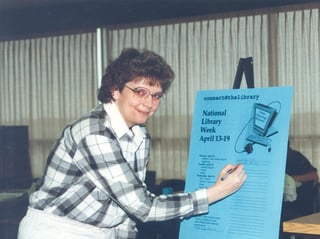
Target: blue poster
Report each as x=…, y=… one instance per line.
x=246, y=126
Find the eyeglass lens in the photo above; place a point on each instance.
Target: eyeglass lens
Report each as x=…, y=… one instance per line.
x=143, y=94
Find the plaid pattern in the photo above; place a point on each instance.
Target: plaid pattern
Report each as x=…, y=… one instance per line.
x=95, y=175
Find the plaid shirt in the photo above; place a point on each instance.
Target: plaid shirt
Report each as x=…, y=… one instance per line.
x=95, y=175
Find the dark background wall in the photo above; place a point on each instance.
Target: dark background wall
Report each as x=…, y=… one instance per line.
x=26, y=18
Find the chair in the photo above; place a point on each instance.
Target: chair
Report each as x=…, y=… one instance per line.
x=172, y=186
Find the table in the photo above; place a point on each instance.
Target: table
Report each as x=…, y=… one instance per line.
x=304, y=225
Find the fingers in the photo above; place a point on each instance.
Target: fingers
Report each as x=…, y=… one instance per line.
x=240, y=172
x=237, y=169
x=231, y=178
x=235, y=175
x=227, y=169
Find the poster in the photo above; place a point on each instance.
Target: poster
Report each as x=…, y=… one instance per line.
x=246, y=126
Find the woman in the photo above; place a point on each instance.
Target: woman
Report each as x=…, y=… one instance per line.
x=93, y=185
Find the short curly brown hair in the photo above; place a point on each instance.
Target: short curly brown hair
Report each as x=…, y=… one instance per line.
x=131, y=65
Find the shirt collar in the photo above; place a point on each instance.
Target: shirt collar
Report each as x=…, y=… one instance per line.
x=118, y=124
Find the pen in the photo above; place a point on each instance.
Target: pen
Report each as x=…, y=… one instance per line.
x=230, y=171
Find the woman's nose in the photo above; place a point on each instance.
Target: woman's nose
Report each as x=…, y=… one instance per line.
x=148, y=101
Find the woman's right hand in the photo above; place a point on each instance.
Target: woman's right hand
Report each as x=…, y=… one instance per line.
x=224, y=186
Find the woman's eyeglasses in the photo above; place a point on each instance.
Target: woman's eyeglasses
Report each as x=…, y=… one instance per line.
x=142, y=94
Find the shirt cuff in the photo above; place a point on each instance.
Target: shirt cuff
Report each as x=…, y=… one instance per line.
x=200, y=201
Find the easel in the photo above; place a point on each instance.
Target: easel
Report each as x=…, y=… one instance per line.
x=245, y=66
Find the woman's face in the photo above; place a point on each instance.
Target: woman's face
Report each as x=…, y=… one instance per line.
x=137, y=101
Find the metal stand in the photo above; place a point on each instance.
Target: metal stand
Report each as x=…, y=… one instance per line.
x=245, y=66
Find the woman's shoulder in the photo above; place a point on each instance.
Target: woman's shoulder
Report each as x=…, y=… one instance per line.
x=91, y=123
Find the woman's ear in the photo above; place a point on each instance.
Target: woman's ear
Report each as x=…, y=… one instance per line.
x=115, y=94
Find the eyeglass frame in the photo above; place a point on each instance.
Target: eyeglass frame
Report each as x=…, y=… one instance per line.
x=156, y=97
